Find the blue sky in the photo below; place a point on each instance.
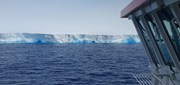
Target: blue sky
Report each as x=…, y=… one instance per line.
x=64, y=17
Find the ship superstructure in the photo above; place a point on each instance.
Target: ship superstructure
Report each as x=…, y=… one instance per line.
x=158, y=25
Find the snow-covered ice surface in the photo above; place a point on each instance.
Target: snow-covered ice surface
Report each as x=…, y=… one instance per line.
x=66, y=38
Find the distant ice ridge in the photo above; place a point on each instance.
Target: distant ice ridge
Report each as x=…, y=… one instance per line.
x=66, y=38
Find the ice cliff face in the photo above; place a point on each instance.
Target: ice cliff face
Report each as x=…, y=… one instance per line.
x=66, y=38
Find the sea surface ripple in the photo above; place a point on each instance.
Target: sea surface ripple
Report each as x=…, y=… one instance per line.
x=71, y=64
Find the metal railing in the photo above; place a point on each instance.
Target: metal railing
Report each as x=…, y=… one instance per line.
x=145, y=79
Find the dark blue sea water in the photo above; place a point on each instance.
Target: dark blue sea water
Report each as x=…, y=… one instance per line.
x=71, y=64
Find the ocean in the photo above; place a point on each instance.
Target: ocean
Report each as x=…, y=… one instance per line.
x=71, y=64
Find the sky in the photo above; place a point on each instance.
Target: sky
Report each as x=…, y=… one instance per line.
x=64, y=17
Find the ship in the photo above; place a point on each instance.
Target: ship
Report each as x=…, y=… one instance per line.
x=157, y=23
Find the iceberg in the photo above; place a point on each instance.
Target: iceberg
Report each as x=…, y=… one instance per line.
x=66, y=38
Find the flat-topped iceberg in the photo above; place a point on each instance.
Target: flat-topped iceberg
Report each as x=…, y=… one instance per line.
x=66, y=38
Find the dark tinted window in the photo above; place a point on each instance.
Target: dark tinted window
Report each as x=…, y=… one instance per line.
x=148, y=43
x=159, y=41
x=171, y=26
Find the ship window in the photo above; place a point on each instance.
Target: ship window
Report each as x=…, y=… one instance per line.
x=148, y=43
x=173, y=32
x=159, y=41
